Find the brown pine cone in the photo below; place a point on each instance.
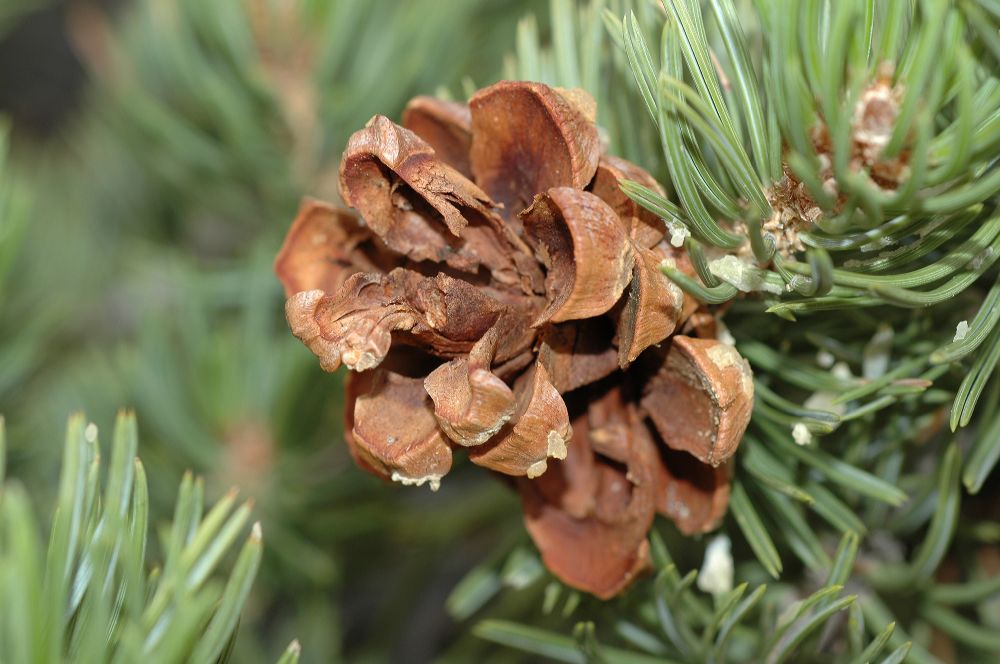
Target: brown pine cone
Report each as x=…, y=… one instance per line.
x=499, y=293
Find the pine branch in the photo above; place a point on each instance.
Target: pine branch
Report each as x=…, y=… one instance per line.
x=878, y=138
x=704, y=115
x=675, y=624
x=849, y=408
x=89, y=596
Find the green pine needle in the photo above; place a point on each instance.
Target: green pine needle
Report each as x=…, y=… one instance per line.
x=88, y=596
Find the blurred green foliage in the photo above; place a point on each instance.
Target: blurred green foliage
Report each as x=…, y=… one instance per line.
x=135, y=257
x=140, y=276
x=92, y=595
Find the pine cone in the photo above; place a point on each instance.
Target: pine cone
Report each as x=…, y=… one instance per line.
x=500, y=294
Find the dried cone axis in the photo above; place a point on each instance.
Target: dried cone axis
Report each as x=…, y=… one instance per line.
x=494, y=292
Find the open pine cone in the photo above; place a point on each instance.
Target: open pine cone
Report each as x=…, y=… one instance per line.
x=499, y=293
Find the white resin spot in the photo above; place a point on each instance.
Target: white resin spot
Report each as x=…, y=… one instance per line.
x=678, y=233
x=961, y=330
x=536, y=469
x=723, y=334
x=875, y=360
x=825, y=401
x=801, y=434
x=825, y=359
x=556, y=446
x=842, y=371
x=742, y=274
x=725, y=356
x=434, y=481
x=716, y=574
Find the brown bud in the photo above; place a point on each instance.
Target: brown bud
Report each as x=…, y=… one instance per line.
x=700, y=400
x=446, y=126
x=470, y=402
x=538, y=430
x=585, y=249
x=526, y=139
x=395, y=431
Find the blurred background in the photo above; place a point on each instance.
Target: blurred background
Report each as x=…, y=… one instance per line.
x=158, y=151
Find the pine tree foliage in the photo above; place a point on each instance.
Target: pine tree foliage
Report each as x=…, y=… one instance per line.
x=181, y=316
x=731, y=628
x=932, y=234
x=235, y=109
x=13, y=10
x=863, y=527
x=849, y=413
x=14, y=208
x=88, y=595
